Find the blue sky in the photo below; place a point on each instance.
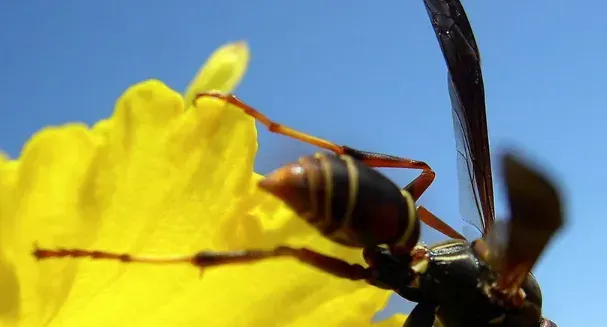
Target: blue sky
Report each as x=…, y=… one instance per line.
x=357, y=73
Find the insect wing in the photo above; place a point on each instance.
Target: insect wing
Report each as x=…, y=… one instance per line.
x=536, y=216
x=466, y=90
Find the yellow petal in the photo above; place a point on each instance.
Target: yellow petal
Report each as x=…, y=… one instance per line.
x=222, y=71
x=157, y=180
x=46, y=192
x=283, y=292
x=153, y=189
x=8, y=173
x=9, y=298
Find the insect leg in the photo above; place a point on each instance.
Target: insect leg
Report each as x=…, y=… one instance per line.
x=272, y=126
x=378, y=160
x=433, y=221
x=390, y=271
x=207, y=259
x=417, y=187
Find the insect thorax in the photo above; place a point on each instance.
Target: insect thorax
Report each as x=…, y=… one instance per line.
x=456, y=281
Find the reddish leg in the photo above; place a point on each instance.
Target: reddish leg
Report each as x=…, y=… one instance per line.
x=417, y=187
x=207, y=259
x=433, y=221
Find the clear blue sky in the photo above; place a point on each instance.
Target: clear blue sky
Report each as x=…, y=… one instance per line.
x=367, y=75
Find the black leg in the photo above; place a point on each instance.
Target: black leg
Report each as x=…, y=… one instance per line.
x=207, y=259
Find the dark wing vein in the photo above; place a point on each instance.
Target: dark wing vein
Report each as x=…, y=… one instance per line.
x=467, y=95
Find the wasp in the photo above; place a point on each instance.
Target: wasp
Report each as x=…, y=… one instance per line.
x=456, y=283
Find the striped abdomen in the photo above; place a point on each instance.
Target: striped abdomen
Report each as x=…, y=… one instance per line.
x=347, y=201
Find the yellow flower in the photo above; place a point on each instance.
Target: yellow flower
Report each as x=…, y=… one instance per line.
x=157, y=179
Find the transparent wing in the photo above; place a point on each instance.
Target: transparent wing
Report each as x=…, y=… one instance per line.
x=467, y=94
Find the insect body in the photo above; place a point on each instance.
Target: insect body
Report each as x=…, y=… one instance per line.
x=486, y=282
x=347, y=201
x=454, y=284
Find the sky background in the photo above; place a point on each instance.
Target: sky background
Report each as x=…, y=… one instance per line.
x=354, y=72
